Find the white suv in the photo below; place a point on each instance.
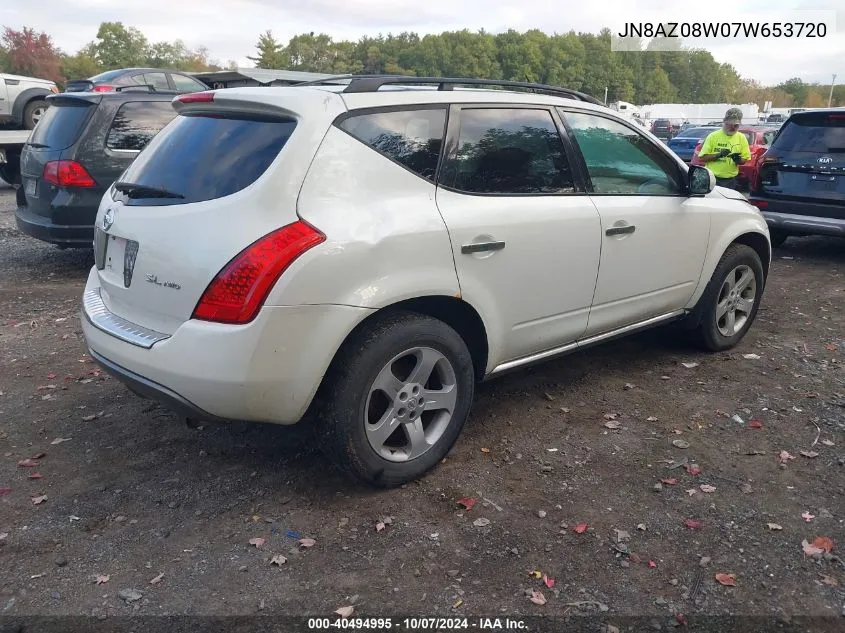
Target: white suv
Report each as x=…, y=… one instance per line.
x=367, y=255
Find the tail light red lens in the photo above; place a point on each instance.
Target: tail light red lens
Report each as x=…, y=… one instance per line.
x=197, y=97
x=67, y=173
x=239, y=290
x=103, y=88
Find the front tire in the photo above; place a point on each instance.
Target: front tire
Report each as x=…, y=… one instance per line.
x=396, y=398
x=730, y=302
x=33, y=112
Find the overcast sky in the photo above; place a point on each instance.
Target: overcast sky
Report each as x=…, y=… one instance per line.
x=230, y=28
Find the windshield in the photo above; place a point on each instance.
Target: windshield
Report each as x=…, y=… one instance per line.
x=197, y=158
x=822, y=133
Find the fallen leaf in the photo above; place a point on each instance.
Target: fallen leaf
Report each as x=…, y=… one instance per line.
x=652, y=564
x=823, y=543
x=775, y=526
x=751, y=357
x=707, y=488
x=101, y=580
x=755, y=424
x=784, y=457
x=810, y=454
x=729, y=580
x=38, y=500
x=691, y=492
x=831, y=347
x=307, y=542
x=379, y=526
x=693, y=470
x=39, y=456
x=549, y=582
x=681, y=619
x=692, y=524
x=651, y=418
x=59, y=440
x=481, y=522
x=28, y=463
x=157, y=579
x=829, y=580
x=537, y=597
x=580, y=528
x=279, y=560
x=257, y=541
x=680, y=443
x=828, y=443
x=35, y=476
x=613, y=424
x=611, y=416
x=485, y=450
x=811, y=550
x=51, y=376
x=746, y=489
x=689, y=365
x=634, y=558
x=536, y=574
x=467, y=502
x=345, y=612
x=671, y=481
x=808, y=517
x=641, y=526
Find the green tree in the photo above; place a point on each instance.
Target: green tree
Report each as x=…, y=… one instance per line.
x=797, y=89
x=80, y=66
x=118, y=46
x=271, y=53
x=658, y=88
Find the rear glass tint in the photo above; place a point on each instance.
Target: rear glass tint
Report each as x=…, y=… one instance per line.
x=61, y=124
x=137, y=122
x=204, y=157
x=821, y=133
x=412, y=138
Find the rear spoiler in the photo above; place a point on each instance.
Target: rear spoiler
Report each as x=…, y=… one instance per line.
x=74, y=98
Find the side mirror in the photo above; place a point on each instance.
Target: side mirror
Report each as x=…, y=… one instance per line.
x=701, y=180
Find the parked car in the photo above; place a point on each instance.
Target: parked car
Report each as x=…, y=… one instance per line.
x=366, y=255
x=665, y=129
x=776, y=118
x=160, y=79
x=685, y=142
x=22, y=100
x=759, y=139
x=81, y=146
x=800, y=185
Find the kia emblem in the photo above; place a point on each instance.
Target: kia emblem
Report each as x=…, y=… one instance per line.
x=825, y=160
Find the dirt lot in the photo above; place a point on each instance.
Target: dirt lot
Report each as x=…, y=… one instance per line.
x=130, y=494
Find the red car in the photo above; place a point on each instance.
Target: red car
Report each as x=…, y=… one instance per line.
x=759, y=139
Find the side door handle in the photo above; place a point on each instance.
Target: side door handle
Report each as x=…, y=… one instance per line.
x=481, y=247
x=620, y=230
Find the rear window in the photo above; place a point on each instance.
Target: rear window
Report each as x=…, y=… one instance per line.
x=62, y=124
x=203, y=158
x=821, y=133
x=136, y=123
x=109, y=74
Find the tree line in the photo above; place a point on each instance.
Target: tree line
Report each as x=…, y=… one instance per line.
x=582, y=61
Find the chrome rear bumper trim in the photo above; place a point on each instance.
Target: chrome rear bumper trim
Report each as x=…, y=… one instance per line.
x=100, y=317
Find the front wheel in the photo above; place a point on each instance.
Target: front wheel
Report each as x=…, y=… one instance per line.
x=730, y=302
x=396, y=398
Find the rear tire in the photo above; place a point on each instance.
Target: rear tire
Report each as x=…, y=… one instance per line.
x=777, y=237
x=33, y=112
x=730, y=302
x=396, y=398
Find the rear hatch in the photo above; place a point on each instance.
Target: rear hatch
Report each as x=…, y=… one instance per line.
x=807, y=161
x=219, y=177
x=52, y=140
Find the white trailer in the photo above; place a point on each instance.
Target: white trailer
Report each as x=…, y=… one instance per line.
x=11, y=145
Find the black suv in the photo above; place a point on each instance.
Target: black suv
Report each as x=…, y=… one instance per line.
x=800, y=183
x=665, y=129
x=83, y=143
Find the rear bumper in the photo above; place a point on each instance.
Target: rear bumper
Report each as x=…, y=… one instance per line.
x=265, y=371
x=807, y=218
x=42, y=228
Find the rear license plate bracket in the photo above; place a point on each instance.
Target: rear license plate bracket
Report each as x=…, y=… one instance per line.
x=31, y=187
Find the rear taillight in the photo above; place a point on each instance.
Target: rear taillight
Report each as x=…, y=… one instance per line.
x=238, y=291
x=197, y=97
x=67, y=173
x=104, y=88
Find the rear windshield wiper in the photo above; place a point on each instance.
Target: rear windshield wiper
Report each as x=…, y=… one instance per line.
x=835, y=150
x=141, y=191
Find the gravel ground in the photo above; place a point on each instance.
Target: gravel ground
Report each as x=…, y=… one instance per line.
x=134, y=513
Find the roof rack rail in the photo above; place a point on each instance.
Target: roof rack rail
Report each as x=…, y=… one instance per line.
x=149, y=87
x=371, y=83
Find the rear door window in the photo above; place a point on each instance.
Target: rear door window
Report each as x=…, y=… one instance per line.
x=156, y=80
x=412, y=138
x=136, y=123
x=186, y=84
x=198, y=158
x=61, y=124
x=820, y=133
